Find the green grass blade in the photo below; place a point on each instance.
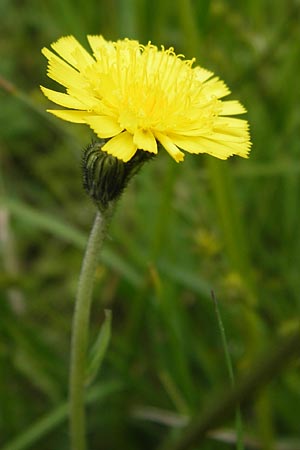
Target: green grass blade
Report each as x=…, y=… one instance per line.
x=44, y=426
x=99, y=348
x=71, y=234
x=238, y=417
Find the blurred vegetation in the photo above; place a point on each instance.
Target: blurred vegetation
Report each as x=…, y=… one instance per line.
x=180, y=231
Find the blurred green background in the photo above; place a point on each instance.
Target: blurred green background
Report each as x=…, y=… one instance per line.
x=180, y=231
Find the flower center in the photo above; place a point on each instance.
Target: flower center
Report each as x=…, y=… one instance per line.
x=151, y=88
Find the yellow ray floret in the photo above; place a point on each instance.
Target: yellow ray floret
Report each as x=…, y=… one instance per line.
x=137, y=96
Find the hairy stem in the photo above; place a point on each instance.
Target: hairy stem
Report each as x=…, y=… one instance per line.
x=80, y=332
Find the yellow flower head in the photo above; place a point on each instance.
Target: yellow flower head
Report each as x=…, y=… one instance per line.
x=137, y=96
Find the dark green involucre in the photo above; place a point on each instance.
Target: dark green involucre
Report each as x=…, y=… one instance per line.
x=105, y=176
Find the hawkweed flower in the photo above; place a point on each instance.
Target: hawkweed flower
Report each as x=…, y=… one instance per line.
x=136, y=97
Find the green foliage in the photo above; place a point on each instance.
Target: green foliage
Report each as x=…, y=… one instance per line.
x=99, y=349
x=180, y=230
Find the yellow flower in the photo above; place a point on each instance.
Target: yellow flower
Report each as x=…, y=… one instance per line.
x=137, y=96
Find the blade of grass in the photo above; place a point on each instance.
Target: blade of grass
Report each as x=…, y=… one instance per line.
x=49, y=422
x=264, y=370
x=70, y=233
x=99, y=348
x=238, y=418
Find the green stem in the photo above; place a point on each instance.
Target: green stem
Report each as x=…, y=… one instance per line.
x=80, y=332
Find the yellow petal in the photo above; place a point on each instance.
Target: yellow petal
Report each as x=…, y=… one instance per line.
x=213, y=147
x=231, y=107
x=99, y=45
x=227, y=137
x=69, y=116
x=233, y=132
x=232, y=128
x=216, y=88
x=145, y=140
x=62, y=99
x=189, y=143
x=71, y=51
x=61, y=72
x=202, y=74
x=104, y=126
x=121, y=146
x=86, y=97
x=230, y=122
x=171, y=148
